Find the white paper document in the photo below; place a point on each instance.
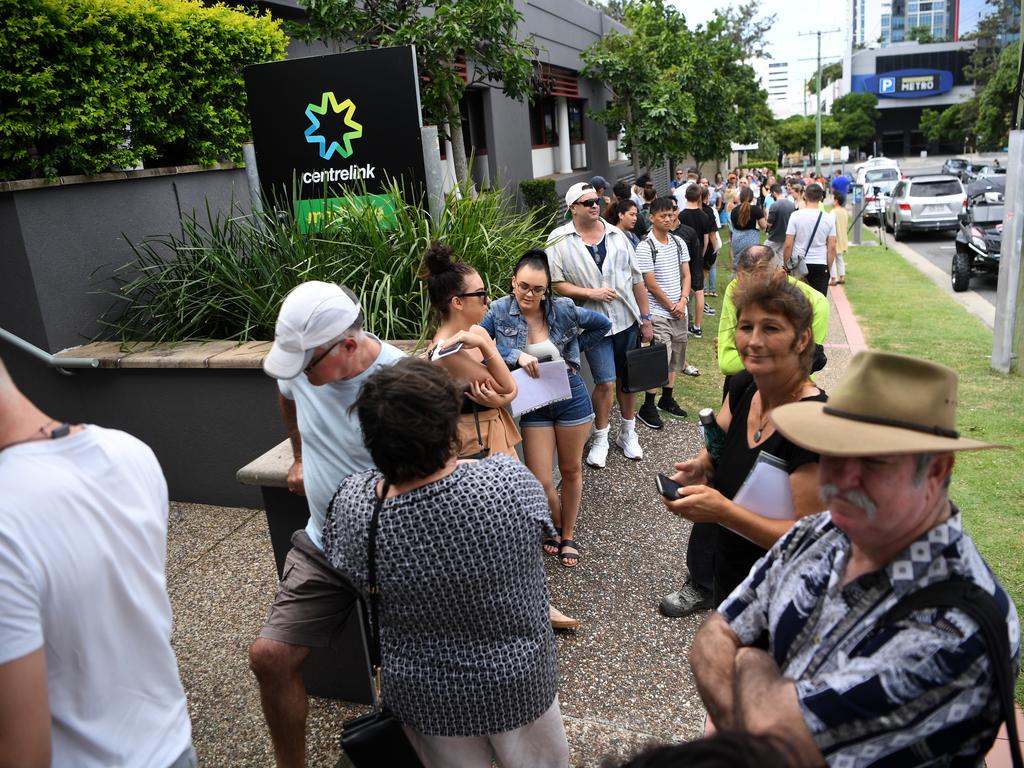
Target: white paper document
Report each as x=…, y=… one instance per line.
x=766, y=491
x=551, y=386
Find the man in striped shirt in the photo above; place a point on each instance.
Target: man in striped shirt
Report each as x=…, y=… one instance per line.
x=594, y=264
x=804, y=647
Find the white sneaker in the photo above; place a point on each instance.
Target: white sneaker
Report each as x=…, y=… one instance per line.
x=598, y=455
x=630, y=445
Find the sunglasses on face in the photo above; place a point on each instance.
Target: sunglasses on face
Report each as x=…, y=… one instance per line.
x=319, y=358
x=536, y=290
x=589, y=203
x=478, y=294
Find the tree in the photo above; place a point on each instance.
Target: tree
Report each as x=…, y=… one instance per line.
x=990, y=37
x=830, y=73
x=748, y=34
x=856, y=115
x=996, y=103
x=942, y=126
x=647, y=74
x=481, y=34
x=922, y=35
x=795, y=133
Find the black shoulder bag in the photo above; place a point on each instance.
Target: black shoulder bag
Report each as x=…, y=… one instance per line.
x=377, y=738
x=982, y=608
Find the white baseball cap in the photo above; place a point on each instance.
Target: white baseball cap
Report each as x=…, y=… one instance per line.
x=576, y=191
x=312, y=314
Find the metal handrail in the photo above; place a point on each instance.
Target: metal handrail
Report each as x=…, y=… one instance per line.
x=60, y=363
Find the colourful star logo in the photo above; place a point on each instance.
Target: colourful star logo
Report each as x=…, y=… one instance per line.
x=345, y=147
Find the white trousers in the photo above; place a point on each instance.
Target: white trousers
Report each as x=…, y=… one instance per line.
x=538, y=744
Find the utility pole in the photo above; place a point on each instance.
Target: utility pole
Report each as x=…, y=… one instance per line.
x=817, y=100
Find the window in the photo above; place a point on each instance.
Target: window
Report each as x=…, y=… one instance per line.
x=543, y=127
x=936, y=188
x=881, y=174
x=576, y=135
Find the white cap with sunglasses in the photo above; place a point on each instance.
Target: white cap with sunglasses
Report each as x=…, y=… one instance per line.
x=312, y=314
x=576, y=191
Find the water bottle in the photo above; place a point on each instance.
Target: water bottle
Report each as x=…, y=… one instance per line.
x=714, y=435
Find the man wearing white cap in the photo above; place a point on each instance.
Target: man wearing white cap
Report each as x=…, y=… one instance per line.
x=594, y=264
x=320, y=357
x=838, y=637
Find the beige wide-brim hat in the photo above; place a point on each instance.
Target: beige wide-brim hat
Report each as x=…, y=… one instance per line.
x=885, y=404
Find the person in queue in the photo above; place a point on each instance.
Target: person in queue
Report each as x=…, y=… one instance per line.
x=624, y=214
x=773, y=336
x=748, y=219
x=806, y=644
x=458, y=294
x=531, y=325
x=491, y=632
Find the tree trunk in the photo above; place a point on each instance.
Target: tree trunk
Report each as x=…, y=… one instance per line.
x=459, y=148
x=634, y=155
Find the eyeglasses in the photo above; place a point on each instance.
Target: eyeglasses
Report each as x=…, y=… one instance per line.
x=317, y=360
x=478, y=294
x=589, y=203
x=536, y=290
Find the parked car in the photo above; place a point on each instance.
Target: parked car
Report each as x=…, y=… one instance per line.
x=878, y=179
x=976, y=171
x=979, y=240
x=954, y=165
x=924, y=203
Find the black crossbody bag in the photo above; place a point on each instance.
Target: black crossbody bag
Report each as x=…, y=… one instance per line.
x=377, y=738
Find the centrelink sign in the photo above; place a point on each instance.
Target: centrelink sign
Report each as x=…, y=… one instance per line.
x=336, y=130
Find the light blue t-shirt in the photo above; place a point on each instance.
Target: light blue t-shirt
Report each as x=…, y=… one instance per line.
x=332, y=443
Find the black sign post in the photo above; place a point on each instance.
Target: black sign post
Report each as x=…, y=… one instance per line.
x=332, y=132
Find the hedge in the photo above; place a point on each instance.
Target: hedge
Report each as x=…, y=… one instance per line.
x=89, y=85
x=540, y=195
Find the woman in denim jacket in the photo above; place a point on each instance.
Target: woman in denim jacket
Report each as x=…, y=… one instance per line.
x=529, y=326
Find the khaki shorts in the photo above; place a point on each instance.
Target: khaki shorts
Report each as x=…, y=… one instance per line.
x=672, y=333
x=313, y=601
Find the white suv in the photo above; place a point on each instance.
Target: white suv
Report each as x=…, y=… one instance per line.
x=925, y=204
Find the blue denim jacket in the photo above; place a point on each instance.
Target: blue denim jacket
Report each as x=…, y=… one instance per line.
x=571, y=329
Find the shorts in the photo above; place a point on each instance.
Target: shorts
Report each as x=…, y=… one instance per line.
x=607, y=359
x=567, y=413
x=777, y=249
x=672, y=333
x=697, y=272
x=313, y=601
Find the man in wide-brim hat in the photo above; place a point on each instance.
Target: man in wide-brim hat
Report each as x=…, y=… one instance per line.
x=802, y=648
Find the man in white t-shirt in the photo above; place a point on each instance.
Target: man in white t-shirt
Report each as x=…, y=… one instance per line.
x=320, y=357
x=88, y=677
x=811, y=237
x=664, y=261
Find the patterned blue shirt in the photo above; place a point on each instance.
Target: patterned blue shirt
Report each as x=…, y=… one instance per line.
x=912, y=693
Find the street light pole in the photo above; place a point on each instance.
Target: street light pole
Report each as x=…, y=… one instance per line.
x=817, y=99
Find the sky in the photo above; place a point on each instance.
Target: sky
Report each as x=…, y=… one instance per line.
x=791, y=18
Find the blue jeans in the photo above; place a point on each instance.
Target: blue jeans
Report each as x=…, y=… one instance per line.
x=608, y=358
x=565, y=413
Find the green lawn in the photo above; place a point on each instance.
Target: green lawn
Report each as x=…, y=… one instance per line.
x=900, y=310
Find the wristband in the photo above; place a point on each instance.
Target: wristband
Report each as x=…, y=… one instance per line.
x=645, y=317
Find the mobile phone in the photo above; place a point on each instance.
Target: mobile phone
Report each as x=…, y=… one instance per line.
x=667, y=487
x=443, y=351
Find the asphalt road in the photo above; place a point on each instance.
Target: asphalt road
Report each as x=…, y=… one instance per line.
x=938, y=247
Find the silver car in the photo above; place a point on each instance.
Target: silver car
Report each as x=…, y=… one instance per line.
x=925, y=204
x=877, y=181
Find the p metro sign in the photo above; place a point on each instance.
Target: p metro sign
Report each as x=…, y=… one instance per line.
x=331, y=133
x=904, y=83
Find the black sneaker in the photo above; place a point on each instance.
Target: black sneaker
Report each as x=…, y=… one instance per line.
x=697, y=333
x=648, y=416
x=708, y=310
x=687, y=600
x=668, y=405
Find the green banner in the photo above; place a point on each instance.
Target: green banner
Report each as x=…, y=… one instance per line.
x=321, y=213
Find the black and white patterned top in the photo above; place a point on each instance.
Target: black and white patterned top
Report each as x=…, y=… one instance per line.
x=466, y=643
x=914, y=692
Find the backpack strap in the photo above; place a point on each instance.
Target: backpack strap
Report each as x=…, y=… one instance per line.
x=979, y=605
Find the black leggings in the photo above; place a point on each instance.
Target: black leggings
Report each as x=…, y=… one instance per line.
x=817, y=278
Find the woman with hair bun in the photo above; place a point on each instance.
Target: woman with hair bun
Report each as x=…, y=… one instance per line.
x=458, y=294
x=530, y=325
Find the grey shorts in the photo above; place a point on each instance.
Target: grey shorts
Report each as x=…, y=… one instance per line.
x=313, y=601
x=672, y=333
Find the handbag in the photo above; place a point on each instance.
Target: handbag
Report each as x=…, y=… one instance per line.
x=797, y=265
x=377, y=738
x=646, y=367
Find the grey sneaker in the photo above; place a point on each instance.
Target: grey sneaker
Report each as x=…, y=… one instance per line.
x=687, y=600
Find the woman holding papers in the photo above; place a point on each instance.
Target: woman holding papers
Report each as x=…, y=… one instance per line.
x=530, y=326
x=773, y=336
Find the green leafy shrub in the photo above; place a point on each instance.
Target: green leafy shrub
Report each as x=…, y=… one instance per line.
x=226, y=277
x=539, y=195
x=752, y=163
x=87, y=85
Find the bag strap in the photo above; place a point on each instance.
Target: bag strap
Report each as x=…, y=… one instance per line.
x=968, y=597
x=371, y=566
x=813, y=233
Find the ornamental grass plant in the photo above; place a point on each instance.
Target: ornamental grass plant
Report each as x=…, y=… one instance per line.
x=227, y=274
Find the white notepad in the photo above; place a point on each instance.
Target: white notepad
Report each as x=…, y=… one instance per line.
x=767, y=491
x=551, y=387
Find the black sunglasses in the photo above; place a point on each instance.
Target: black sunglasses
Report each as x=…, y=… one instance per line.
x=589, y=203
x=478, y=294
x=316, y=360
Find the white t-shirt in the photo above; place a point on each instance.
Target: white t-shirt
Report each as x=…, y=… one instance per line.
x=83, y=545
x=801, y=225
x=680, y=194
x=665, y=268
x=332, y=442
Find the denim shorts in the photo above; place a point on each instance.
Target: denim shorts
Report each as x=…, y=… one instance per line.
x=607, y=360
x=565, y=413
